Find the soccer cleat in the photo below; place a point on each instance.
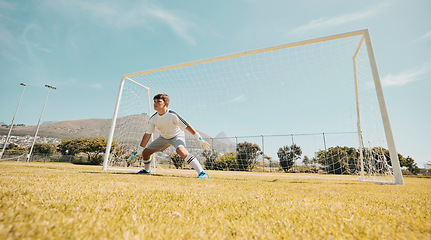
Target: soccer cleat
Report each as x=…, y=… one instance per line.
x=203, y=175
x=143, y=171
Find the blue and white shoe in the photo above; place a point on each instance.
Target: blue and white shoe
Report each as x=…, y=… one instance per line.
x=143, y=171
x=203, y=175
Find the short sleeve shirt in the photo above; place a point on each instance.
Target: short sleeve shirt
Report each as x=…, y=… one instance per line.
x=169, y=124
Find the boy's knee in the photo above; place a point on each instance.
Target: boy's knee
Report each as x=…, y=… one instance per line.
x=146, y=154
x=182, y=151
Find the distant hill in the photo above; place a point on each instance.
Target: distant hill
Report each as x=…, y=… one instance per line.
x=100, y=128
x=46, y=122
x=65, y=129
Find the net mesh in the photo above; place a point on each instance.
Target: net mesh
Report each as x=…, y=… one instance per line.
x=249, y=106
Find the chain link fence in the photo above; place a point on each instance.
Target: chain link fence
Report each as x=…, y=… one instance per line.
x=264, y=153
x=261, y=153
x=22, y=155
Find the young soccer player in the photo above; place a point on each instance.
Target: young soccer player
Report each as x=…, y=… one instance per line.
x=172, y=127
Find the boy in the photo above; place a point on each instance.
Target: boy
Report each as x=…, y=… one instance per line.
x=172, y=127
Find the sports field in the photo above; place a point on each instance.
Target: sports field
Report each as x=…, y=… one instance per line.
x=65, y=201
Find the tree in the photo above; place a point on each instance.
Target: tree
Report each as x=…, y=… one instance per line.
x=247, y=154
x=338, y=160
x=411, y=165
x=210, y=156
x=176, y=160
x=11, y=146
x=93, y=147
x=44, y=148
x=288, y=155
x=227, y=161
x=306, y=161
x=70, y=147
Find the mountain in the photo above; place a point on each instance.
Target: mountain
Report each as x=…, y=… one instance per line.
x=98, y=128
x=64, y=129
x=222, y=137
x=101, y=127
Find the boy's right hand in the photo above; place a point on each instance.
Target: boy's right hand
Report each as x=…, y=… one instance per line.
x=140, y=150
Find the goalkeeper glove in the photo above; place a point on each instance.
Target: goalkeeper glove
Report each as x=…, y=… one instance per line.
x=204, y=145
x=138, y=152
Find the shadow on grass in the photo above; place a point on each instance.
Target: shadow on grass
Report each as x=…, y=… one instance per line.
x=229, y=177
x=138, y=175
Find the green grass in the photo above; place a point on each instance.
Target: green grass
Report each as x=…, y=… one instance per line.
x=65, y=201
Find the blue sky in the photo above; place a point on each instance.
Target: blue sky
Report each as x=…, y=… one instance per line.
x=84, y=47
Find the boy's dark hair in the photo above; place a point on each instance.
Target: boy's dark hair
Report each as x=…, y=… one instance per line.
x=163, y=97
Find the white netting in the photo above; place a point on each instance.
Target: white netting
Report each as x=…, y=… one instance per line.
x=303, y=95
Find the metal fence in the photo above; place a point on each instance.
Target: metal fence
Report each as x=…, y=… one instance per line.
x=21, y=156
x=264, y=151
x=229, y=153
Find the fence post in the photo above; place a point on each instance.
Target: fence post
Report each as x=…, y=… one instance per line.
x=263, y=154
x=324, y=143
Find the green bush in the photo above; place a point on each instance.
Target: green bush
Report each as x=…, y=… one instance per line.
x=176, y=160
x=227, y=162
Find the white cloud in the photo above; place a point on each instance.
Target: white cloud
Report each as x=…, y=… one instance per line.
x=95, y=86
x=180, y=25
x=121, y=14
x=340, y=20
x=7, y=5
x=240, y=98
x=6, y=37
x=404, y=77
x=425, y=37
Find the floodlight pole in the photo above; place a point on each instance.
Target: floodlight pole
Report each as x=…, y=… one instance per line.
x=38, y=124
x=13, y=121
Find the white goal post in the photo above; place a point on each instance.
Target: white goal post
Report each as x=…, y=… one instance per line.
x=221, y=82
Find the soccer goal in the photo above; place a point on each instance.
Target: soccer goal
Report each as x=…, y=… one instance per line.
x=322, y=95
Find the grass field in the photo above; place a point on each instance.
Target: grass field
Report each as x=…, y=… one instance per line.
x=65, y=201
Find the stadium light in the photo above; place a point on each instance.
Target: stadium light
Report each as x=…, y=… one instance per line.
x=38, y=124
x=13, y=121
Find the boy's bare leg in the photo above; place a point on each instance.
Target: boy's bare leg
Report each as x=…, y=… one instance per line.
x=190, y=159
x=183, y=152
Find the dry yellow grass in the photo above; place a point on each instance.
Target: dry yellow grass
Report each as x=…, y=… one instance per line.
x=64, y=201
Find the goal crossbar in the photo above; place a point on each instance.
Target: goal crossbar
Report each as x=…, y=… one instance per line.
x=267, y=49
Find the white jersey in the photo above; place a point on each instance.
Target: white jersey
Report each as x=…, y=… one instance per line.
x=169, y=124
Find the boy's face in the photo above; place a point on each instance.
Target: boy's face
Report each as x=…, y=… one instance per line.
x=159, y=104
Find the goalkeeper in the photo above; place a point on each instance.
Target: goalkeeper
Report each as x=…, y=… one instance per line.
x=171, y=127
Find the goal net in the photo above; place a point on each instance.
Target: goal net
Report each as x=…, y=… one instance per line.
x=311, y=106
